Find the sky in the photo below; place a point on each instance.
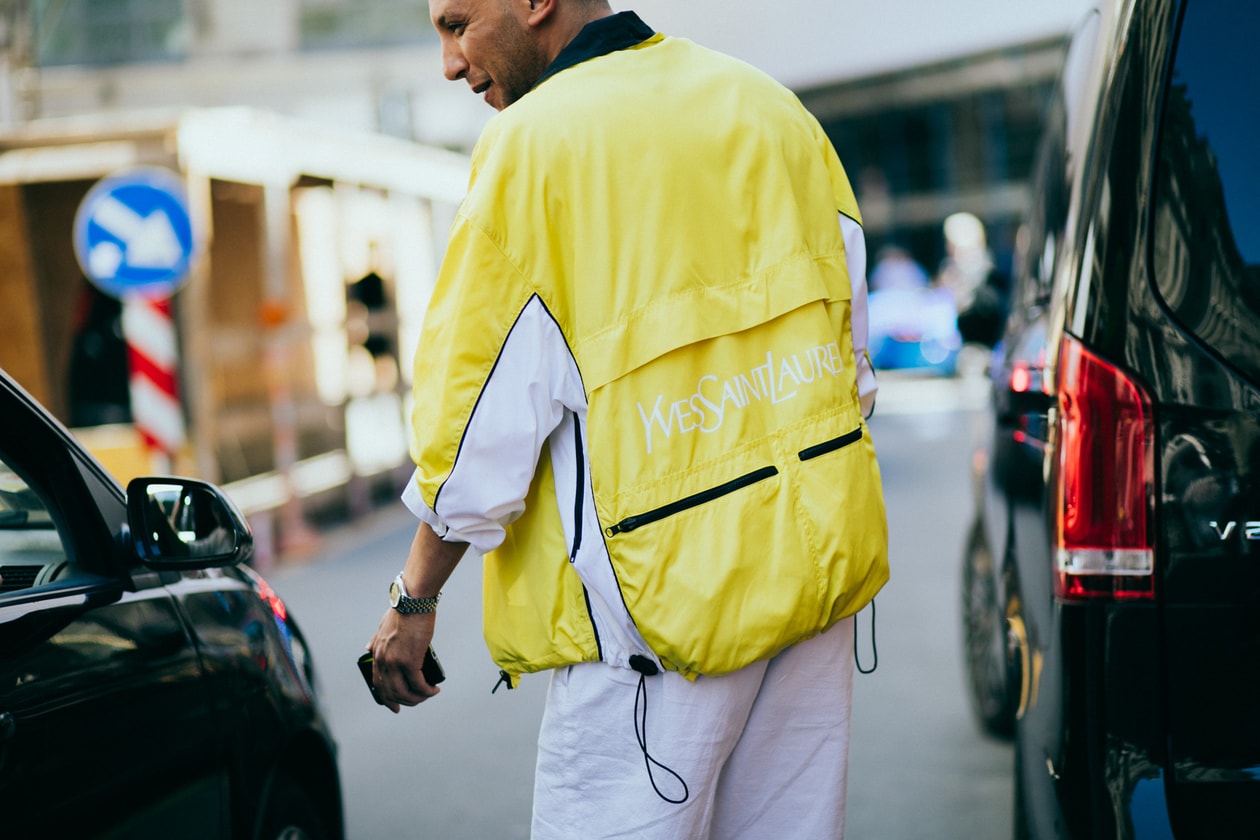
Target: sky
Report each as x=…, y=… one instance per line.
x=807, y=42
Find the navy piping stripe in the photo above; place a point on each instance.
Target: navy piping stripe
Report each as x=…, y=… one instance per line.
x=831, y=445
x=599, y=645
x=489, y=378
x=579, y=489
x=581, y=486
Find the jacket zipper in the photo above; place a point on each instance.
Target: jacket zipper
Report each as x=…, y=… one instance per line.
x=639, y=520
x=578, y=498
x=581, y=489
x=630, y=523
x=831, y=445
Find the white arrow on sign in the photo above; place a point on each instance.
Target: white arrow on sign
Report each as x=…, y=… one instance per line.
x=149, y=241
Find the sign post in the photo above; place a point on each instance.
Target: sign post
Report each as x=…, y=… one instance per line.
x=134, y=241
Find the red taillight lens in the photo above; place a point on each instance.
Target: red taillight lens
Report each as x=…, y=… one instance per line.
x=1021, y=378
x=271, y=599
x=1105, y=462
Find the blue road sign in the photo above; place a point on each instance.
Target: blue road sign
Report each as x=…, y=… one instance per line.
x=133, y=233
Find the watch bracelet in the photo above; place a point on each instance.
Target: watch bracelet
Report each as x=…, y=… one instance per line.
x=415, y=606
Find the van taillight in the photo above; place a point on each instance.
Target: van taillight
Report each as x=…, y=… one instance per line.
x=1105, y=462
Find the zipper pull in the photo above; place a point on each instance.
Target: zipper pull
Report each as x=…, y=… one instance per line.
x=504, y=679
x=624, y=526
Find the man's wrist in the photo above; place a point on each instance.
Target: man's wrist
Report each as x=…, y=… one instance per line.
x=405, y=603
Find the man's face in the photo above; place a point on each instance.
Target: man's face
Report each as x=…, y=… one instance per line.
x=491, y=45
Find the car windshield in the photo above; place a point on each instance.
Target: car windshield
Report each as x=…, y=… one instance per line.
x=20, y=506
x=1207, y=207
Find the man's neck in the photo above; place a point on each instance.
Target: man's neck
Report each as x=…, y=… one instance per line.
x=567, y=21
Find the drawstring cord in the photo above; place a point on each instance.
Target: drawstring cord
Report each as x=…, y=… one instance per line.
x=647, y=668
x=874, y=648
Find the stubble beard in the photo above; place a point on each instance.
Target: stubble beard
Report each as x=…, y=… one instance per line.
x=522, y=62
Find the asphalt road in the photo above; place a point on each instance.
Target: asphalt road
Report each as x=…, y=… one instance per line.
x=920, y=767
x=461, y=766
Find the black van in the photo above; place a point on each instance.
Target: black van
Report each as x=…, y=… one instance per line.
x=1111, y=578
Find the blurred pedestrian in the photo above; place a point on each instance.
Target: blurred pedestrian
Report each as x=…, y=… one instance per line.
x=967, y=260
x=640, y=393
x=896, y=269
x=980, y=289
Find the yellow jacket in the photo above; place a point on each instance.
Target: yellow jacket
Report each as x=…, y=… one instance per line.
x=636, y=389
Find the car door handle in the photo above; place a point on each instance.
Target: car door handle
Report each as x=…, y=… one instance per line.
x=8, y=726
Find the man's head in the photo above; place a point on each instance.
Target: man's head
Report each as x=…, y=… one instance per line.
x=502, y=47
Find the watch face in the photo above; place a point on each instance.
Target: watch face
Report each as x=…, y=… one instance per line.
x=395, y=592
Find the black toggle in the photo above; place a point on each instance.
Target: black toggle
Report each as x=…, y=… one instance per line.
x=643, y=665
x=504, y=679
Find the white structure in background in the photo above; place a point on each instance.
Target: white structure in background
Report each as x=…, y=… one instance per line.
x=806, y=43
x=970, y=70
x=274, y=112
x=275, y=55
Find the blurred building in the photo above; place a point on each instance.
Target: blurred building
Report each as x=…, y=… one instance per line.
x=317, y=223
x=928, y=141
x=935, y=108
x=362, y=64
x=324, y=155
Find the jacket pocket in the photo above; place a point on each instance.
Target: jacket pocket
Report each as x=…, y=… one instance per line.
x=831, y=445
x=630, y=523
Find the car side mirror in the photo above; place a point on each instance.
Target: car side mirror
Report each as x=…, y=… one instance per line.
x=182, y=523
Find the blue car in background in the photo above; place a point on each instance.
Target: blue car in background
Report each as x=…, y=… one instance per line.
x=914, y=329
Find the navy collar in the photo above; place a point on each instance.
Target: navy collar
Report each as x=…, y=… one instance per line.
x=599, y=37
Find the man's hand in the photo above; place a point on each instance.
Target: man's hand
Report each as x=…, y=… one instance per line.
x=398, y=648
x=402, y=640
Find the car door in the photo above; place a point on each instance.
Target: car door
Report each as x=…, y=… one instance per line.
x=104, y=728
x=1206, y=268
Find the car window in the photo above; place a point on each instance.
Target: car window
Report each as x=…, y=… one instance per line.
x=1044, y=226
x=1206, y=249
x=31, y=550
x=1038, y=239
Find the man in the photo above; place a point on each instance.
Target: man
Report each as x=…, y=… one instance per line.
x=640, y=394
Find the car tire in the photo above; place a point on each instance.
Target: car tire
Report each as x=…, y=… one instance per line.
x=990, y=677
x=291, y=813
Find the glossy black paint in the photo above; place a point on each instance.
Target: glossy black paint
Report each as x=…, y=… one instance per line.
x=144, y=700
x=1131, y=719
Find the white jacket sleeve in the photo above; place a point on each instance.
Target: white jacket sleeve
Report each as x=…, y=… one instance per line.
x=855, y=254
x=533, y=383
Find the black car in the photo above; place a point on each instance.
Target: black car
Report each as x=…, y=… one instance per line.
x=1111, y=578
x=151, y=684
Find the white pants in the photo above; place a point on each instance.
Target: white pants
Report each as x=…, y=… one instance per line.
x=763, y=751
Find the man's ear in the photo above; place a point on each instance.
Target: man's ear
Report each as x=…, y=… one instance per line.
x=540, y=10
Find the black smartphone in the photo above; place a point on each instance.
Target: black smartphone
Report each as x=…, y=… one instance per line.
x=431, y=670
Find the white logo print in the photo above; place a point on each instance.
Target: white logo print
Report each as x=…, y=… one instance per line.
x=778, y=380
